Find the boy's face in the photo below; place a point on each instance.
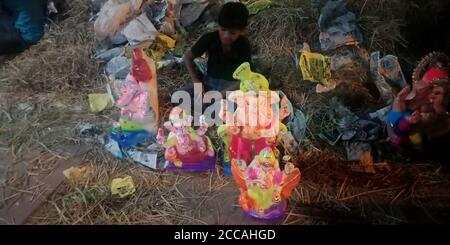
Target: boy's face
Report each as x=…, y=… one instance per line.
x=229, y=36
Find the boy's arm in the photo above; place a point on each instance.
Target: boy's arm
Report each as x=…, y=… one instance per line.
x=199, y=48
x=189, y=63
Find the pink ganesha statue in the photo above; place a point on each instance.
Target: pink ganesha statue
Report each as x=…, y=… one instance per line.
x=186, y=148
x=264, y=187
x=256, y=122
x=421, y=114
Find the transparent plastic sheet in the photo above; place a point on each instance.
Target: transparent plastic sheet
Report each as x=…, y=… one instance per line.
x=152, y=156
x=107, y=55
x=118, y=67
x=192, y=11
x=337, y=26
x=387, y=75
x=156, y=11
x=113, y=15
x=139, y=30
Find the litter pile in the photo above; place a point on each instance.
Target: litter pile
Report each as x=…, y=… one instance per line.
x=340, y=65
x=345, y=64
x=135, y=38
x=152, y=24
x=344, y=60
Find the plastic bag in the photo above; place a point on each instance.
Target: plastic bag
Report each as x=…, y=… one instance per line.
x=123, y=186
x=118, y=67
x=107, y=55
x=191, y=12
x=383, y=87
x=338, y=26
x=152, y=156
x=156, y=11
x=140, y=29
x=112, y=15
x=258, y=5
x=315, y=67
x=99, y=102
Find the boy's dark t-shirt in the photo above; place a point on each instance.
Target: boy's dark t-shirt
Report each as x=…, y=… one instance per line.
x=222, y=65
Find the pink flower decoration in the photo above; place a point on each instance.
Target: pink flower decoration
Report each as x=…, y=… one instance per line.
x=277, y=177
x=252, y=174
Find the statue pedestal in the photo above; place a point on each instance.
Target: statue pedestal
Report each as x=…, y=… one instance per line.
x=208, y=164
x=273, y=213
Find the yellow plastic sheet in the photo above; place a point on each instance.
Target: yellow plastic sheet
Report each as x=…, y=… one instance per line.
x=315, y=67
x=156, y=54
x=167, y=41
x=255, y=6
x=160, y=47
x=77, y=174
x=122, y=186
x=99, y=102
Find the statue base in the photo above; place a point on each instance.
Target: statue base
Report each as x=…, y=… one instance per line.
x=208, y=164
x=273, y=213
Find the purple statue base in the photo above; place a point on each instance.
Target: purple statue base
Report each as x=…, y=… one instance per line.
x=273, y=213
x=208, y=164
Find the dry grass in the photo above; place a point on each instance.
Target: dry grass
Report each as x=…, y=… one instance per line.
x=156, y=200
x=329, y=193
x=160, y=197
x=276, y=33
x=46, y=120
x=338, y=195
x=380, y=22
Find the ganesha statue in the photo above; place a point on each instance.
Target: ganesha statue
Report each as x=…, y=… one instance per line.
x=135, y=101
x=421, y=113
x=138, y=99
x=264, y=187
x=256, y=122
x=186, y=148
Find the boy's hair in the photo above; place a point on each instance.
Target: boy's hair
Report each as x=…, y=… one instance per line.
x=233, y=15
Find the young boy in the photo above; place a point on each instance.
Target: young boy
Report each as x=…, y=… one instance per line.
x=226, y=49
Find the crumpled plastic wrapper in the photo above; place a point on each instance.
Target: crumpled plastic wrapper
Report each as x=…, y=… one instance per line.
x=123, y=186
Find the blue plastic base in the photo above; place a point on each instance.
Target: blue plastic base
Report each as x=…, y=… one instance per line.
x=129, y=139
x=227, y=169
x=209, y=164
